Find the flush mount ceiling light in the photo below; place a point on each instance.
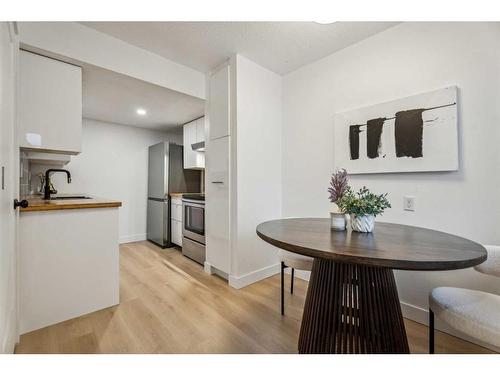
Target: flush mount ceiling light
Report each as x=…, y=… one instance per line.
x=325, y=21
x=141, y=111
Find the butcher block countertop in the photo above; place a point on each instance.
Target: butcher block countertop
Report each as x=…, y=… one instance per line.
x=37, y=203
x=179, y=195
x=176, y=195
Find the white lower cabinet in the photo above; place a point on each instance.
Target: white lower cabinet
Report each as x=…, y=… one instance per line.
x=177, y=232
x=176, y=221
x=68, y=265
x=177, y=210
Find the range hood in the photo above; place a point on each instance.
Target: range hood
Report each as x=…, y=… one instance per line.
x=200, y=146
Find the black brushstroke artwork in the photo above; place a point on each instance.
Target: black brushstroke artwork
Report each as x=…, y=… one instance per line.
x=354, y=141
x=408, y=134
x=373, y=135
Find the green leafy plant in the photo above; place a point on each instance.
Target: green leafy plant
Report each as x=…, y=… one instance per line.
x=363, y=202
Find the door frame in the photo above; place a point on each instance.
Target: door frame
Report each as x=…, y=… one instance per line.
x=17, y=165
x=11, y=178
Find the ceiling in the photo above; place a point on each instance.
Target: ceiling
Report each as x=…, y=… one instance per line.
x=279, y=46
x=113, y=97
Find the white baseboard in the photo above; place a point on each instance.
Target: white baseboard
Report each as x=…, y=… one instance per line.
x=207, y=267
x=133, y=238
x=421, y=315
x=304, y=275
x=211, y=270
x=409, y=311
x=239, y=282
x=415, y=313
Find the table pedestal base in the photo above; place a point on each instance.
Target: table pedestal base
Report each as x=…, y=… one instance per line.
x=352, y=309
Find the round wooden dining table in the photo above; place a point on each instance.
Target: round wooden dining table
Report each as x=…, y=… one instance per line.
x=352, y=303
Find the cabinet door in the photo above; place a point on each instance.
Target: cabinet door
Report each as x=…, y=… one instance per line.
x=219, y=103
x=50, y=104
x=176, y=232
x=177, y=212
x=200, y=159
x=217, y=205
x=200, y=137
x=200, y=130
x=188, y=139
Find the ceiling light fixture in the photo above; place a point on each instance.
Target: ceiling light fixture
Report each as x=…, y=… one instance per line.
x=325, y=21
x=141, y=111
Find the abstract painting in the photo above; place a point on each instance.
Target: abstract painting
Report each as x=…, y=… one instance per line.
x=413, y=134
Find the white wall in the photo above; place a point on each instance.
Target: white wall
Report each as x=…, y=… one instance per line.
x=258, y=166
x=83, y=44
x=114, y=165
x=404, y=60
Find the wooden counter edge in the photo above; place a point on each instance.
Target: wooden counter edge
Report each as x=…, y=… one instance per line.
x=71, y=206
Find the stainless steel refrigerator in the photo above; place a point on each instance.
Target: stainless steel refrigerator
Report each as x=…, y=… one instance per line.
x=166, y=174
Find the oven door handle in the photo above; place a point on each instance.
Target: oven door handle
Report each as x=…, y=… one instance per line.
x=189, y=203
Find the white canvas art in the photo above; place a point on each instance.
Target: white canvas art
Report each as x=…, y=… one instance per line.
x=414, y=134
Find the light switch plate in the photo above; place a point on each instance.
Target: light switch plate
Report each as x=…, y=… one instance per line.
x=409, y=203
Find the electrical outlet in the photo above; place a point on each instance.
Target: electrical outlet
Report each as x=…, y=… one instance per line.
x=409, y=203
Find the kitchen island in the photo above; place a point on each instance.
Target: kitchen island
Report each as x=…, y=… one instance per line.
x=69, y=259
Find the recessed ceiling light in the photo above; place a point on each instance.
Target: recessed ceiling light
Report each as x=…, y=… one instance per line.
x=141, y=111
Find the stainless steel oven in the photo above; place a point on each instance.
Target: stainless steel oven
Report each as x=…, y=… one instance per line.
x=193, y=227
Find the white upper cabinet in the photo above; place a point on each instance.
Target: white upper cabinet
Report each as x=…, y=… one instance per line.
x=200, y=137
x=219, y=103
x=189, y=137
x=194, y=132
x=50, y=104
x=200, y=130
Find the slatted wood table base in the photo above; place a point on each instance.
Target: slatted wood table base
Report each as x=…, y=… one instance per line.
x=352, y=309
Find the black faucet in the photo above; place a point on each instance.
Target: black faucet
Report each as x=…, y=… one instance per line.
x=47, y=180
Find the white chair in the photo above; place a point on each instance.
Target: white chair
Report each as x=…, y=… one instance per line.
x=472, y=312
x=294, y=261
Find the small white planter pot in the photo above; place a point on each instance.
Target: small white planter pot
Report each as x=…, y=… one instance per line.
x=363, y=223
x=338, y=221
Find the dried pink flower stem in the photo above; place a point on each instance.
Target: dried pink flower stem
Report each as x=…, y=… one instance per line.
x=338, y=185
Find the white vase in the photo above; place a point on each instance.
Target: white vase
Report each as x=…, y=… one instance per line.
x=363, y=223
x=338, y=221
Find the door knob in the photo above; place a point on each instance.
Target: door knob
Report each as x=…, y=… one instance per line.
x=24, y=203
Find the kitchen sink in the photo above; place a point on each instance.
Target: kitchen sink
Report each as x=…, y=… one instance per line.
x=70, y=197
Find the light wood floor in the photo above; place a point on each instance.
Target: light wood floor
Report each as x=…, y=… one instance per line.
x=169, y=305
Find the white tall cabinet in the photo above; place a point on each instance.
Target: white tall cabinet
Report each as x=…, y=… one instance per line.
x=218, y=205
x=243, y=169
x=219, y=105
x=217, y=173
x=50, y=104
